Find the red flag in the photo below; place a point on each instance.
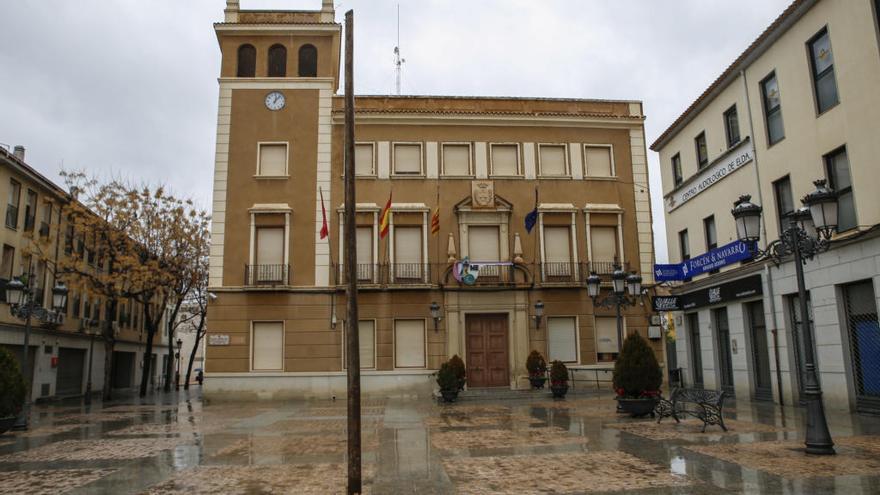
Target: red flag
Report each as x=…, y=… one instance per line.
x=385, y=219
x=325, y=230
x=435, y=221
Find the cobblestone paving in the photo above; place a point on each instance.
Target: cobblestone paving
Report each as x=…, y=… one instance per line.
x=571, y=473
x=47, y=482
x=178, y=444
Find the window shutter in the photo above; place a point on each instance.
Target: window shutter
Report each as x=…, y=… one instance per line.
x=364, y=245
x=273, y=159
x=604, y=243
x=408, y=252
x=270, y=246
x=268, y=346
x=562, y=336
x=456, y=159
x=504, y=159
x=409, y=343
x=552, y=160
x=606, y=335
x=363, y=159
x=407, y=159
x=557, y=245
x=483, y=243
x=367, y=342
x=598, y=161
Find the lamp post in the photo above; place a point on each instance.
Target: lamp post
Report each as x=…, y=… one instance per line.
x=625, y=291
x=435, y=315
x=88, y=397
x=539, y=313
x=177, y=355
x=23, y=305
x=808, y=234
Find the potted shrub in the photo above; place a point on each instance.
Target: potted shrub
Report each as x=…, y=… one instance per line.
x=460, y=371
x=537, y=367
x=637, y=377
x=448, y=381
x=12, y=390
x=558, y=379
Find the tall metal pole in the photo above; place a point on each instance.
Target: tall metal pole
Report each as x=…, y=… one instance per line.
x=818, y=438
x=88, y=397
x=352, y=353
x=22, y=422
x=617, y=303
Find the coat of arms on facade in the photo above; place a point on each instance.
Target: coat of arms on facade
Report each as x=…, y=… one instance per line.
x=483, y=194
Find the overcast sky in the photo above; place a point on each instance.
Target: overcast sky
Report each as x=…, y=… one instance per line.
x=128, y=87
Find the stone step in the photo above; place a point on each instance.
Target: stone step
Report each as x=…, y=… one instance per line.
x=506, y=393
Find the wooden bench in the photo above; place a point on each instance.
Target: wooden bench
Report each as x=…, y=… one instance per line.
x=705, y=405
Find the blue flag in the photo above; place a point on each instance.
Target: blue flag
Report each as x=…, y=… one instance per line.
x=532, y=216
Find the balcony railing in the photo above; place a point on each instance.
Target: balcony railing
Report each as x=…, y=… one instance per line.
x=605, y=267
x=266, y=275
x=561, y=272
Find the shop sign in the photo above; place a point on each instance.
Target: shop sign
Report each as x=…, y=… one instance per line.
x=731, y=291
x=743, y=154
x=727, y=254
x=218, y=339
x=666, y=303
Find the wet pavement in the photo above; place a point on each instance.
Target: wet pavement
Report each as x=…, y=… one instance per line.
x=179, y=444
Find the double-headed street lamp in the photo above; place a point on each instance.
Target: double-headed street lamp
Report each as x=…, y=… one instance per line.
x=625, y=291
x=808, y=234
x=24, y=306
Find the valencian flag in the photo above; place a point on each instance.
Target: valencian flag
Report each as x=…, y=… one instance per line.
x=532, y=216
x=385, y=219
x=325, y=230
x=435, y=221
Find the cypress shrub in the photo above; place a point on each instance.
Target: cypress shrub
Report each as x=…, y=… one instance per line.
x=637, y=370
x=536, y=364
x=558, y=373
x=459, y=369
x=12, y=386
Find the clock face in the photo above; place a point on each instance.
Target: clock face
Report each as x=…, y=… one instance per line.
x=274, y=101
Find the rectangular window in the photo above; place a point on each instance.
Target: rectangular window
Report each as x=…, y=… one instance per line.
x=46, y=220
x=606, y=338
x=366, y=344
x=598, y=161
x=551, y=160
x=409, y=343
x=30, y=211
x=864, y=341
x=407, y=159
x=784, y=202
x=603, y=241
x=456, y=159
x=562, y=339
x=12, y=205
x=267, y=346
x=772, y=109
x=702, y=150
x=363, y=159
x=270, y=254
x=677, y=178
x=711, y=234
x=77, y=302
x=408, y=252
x=505, y=159
x=365, y=253
x=272, y=160
x=822, y=65
x=557, y=251
x=483, y=243
x=731, y=126
x=7, y=263
x=684, y=245
x=837, y=168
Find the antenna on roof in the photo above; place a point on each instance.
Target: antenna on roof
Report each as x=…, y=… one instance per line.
x=398, y=62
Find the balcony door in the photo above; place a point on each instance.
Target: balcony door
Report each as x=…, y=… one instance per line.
x=270, y=255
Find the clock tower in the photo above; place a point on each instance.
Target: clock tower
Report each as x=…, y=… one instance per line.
x=278, y=74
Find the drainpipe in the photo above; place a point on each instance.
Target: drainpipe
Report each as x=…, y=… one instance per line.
x=767, y=274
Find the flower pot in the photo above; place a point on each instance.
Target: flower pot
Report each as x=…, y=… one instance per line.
x=449, y=395
x=559, y=391
x=638, y=407
x=537, y=381
x=6, y=424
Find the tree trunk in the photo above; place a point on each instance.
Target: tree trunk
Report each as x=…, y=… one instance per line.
x=148, y=358
x=192, y=355
x=169, y=369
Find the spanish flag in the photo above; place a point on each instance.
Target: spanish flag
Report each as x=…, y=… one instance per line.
x=435, y=221
x=385, y=219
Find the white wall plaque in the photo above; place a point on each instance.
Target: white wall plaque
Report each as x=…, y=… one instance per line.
x=733, y=160
x=218, y=339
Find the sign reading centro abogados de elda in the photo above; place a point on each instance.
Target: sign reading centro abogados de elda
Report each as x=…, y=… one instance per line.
x=733, y=160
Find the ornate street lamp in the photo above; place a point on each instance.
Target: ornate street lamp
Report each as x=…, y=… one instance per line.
x=177, y=376
x=435, y=315
x=539, y=313
x=808, y=235
x=625, y=291
x=24, y=306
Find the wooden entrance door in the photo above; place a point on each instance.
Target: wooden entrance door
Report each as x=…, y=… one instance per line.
x=487, y=351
